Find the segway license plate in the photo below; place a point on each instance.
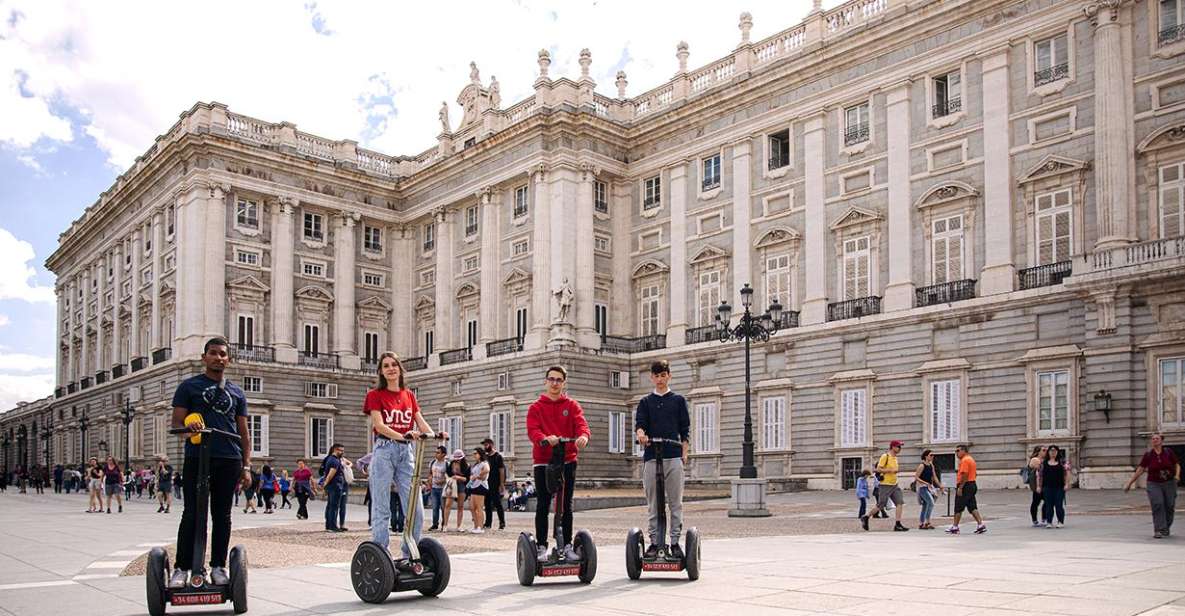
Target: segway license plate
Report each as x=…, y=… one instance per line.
x=673, y=566
x=198, y=598
x=560, y=570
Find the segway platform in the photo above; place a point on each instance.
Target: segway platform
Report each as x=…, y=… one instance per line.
x=636, y=560
x=527, y=553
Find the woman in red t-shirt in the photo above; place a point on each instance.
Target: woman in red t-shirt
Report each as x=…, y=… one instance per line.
x=394, y=414
x=1164, y=473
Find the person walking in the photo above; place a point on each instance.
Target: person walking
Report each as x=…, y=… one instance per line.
x=177, y=485
x=111, y=479
x=862, y=492
x=438, y=471
x=285, y=489
x=129, y=483
x=333, y=480
x=1030, y=473
x=94, y=485
x=164, y=485
x=552, y=417
x=304, y=487
x=663, y=414
x=1164, y=473
x=1051, y=483
x=267, y=487
x=929, y=484
x=455, y=490
x=58, y=478
x=249, y=492
x=478, y=489
x=889, y=490
x=497, y=485
x=965, y=490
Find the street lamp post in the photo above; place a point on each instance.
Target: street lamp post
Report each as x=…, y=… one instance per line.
x=128, y=414
x=748, y=494
x=22, y=446
x=46, y=432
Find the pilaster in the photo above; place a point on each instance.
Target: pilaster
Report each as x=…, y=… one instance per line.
x=677, y=325
x=814, y=305
x=540, y=211
x=403, y=333
x=100, y=296
x=158, y=248
x=899, y=292
x=71, y=366
x=491, y=291
x=999, y=272
x=213, y=249
x=134, y=346
x=742, y=213
x=283, y=250
x=445, y=301
x=585, y=283
x=116, y=319
x=344, y=308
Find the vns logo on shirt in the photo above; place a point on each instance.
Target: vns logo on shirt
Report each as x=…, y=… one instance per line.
x=219, y=399
x=397, y=417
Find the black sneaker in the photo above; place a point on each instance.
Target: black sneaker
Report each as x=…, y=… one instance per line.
x=864, y=522
x=651, y=552
x=676, y=551
x=404, y=565
x=899, y=527
x=160, y=509
x=433, y=528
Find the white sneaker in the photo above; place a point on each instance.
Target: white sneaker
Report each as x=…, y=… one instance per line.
x=219, y=576
x=1060, y=524
x=177, y=580
x=477, y=531
x=570, y=554
x=543, y=553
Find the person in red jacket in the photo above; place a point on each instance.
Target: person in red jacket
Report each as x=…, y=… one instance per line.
x=553, y=416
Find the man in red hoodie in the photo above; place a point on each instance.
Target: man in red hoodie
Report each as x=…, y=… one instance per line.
x=553, y=416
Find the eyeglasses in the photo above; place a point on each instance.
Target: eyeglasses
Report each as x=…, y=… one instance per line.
x=554, y=379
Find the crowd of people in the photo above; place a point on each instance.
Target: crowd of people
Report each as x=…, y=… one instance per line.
x=102, y=481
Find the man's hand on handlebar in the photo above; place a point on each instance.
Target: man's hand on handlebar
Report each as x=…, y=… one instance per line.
x=643, y=440
x=581, y=442
x=552, y=440
x=196, y=424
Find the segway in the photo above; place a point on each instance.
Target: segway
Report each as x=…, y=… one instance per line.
x=635, y=556
x=527, y=552
x=199, y=589
x=375, y=575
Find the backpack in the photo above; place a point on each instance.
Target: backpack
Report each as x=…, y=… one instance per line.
x=1026, y=474
x=883, y=460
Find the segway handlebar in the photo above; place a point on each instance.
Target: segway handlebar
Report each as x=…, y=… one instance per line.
x=440, y=436
x=206, y=430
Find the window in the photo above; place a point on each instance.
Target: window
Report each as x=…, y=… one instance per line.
x=947, y=246
x=314, y=227
x=649, y=310
x=619, y=379
x=709, y=297
x=471, y=221
x=616, y=432
x=1054, y=214
x=1053, y=402
x=1172, y=200
x=247, y=214
x=601, y=319
x=652, y=193
x=471, y=333
x=427, y=277
x=320, y=436
x=855, y=124
x=1172, y=392
x=945, y=410
x=601, y=243
x=853, y=427
x=429, y=235
x=638, y=451
x=370, y=346
x=470, y=264
x=706, y=434
x=856, y=257
x=457, y=387
x=315, y=269
x=170, y=219
x=455, y=427
x=601, y=197
x=148, y=245
x=520, y=248
x=160, y=432
x=320, y=390
x=312, y=335
x=777, y=279
x=773, y=423
x=428, y=343
x=1051, y=61
x=500, y=430
x=253, y=384
x=503, y=381
x=1172, y=21
x=779, y=149
x=520, y=202
x=520, y=323
x=258, y=429
x=246, y=330
x=372, y=279
x=948, y=94
x=372, y=239
x=711, y=168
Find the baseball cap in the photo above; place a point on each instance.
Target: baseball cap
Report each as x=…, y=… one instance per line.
x=458, y=454
x=895, y=444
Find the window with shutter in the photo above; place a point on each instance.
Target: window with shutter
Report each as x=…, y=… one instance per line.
x=945, y=409
x=616, y=432
x=1172, y=393
x=455, y=428
x=855, y=268
x=709, y=296
x=777, y=280
x=258, y=427
x=948, y=249
x=1054, y=220
x=1172, y=200
x=773, y=424
x=853, y=418
x=649, y=310
x=705, y=428
x=1053, y=402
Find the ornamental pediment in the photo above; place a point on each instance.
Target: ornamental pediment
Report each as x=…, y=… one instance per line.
x=777, y=235
x=248, y=283
x=1052, y=166
x=166, y=288
x=946, y=192
x=650, y=267
x=708, y=253
x=374, y=303
x=1164, y=137
x=516, y=276
x=314, y=293
x=468, y=289
x=855, y=216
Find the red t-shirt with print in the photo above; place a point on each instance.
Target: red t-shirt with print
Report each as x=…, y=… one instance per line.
x=399, y=408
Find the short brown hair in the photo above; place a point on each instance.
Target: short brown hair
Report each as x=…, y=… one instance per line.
x=660, y=366
x=559, y=369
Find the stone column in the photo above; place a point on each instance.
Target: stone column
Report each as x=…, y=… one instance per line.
x=814, y=305
x=134, y=349
x=677, y=326
x=283, y=242
x=100, y=303
x=71, y=367
x=158, y=248
x=540, y=259
x=445, y=300
x=585, y=283
x=899, y=292
x=116, y=320
x=999, y=272
x=344, y=307
x=621, y=297
x=214, y=249
x=563, y=186
x=491, y=288
x=742, y=243
x=57, y=344
x=403, y=331
x=1113, y=132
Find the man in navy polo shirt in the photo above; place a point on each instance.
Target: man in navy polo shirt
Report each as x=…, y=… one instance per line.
x=663, y=414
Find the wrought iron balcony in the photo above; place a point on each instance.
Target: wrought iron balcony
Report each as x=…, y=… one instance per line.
x=944, y=293
x=161, y=355
x=100, y=377
x=58, y=392
x=622, y=344
x=1054, y=73
x=252, y=352
x=1171, y=34
x=455, y=356
x=706, y=333
x=947, y=107
x=789, y=319
x=118, y=370
x=777, y=160
x=84, y=382
x=856, y=134
x=139, y=363
x=415, y=363
x=370, y=364
x=854, y=308
x=318, y=360
x=71, y=387
x=1044, y=275
x=504, y=347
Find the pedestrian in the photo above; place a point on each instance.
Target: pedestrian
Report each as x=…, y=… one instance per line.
x=552, y=417
x=478, y=489
x=1051, y=483
x=4, y=481
x=1164, y=473
x=304, y=488
x=438, y=471
x=285, y=489
x=497, y=485
x=889, y=490
x=929, y=484
x=58, y=478
x=663, y=414
x=249, y=491
x=164, y=486
x=137, y=483
x=333, y=480
x=267, y=488
x=454, y=489
x=111, y=478
x=862, y=491
x=129, y=484
x=965, y=490
x=94, y=485
x=1029, y=473
x=150, y=482
x=177, y=486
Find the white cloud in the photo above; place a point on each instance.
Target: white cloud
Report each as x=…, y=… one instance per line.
x=375, y=72
x=23, y=362
x=16, y=273
x=24, y=388
x=4, y=320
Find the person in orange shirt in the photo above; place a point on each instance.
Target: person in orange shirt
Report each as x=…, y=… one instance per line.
x=965, y=492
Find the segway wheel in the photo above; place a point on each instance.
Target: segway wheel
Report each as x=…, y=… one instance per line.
x=435, y=559
x=633, y=554
x=691, y=554
x=584, y=546
x=238, y=578
x=526, y=558
x=372, y=573
x=158, y=573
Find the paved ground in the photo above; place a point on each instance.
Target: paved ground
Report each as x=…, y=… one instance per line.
x=54, y=559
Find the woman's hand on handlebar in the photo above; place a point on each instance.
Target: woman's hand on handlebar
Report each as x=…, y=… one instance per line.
x=411, y=435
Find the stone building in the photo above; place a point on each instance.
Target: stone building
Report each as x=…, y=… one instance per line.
x=971, y=211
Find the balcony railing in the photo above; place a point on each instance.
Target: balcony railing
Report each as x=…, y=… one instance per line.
x=139, y=363
x=856, y=134
x=1151, y=251
x=252, y=352
x=118, y=370
x=946, y=107
x=706, y=333
x=84, y=382
x=1044, y=275
x=318, y=360
x=622, y=344
x=370, y=364
x=415, y=363
x=161, y=355
x=1051, y=74
x=100, y=377
x=944, y=293
x=789, y=319
x=1171, y=34
x=854, y=308
x=455, y=356
x=71, y=387
x=777, y=160
x=58, y=392
x=504, y=347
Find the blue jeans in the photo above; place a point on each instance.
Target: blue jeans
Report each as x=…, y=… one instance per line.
x=863, y=506
x=437, y=500
x=335, y=506
x=926, y=498
x=392, y=462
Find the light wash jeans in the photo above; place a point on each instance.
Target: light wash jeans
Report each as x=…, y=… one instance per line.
x=393, y=461
x=926, y=499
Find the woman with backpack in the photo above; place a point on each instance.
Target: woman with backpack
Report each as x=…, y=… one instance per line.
x=1029, y=474
x=929, y=483
x=1051, y=484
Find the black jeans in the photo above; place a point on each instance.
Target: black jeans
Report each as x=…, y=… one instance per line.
x=268, y=495
x=224, y=474
x=494, y=503
x=302, y=497
x=1055, y=503
x=543, y=503
x=1035, y=506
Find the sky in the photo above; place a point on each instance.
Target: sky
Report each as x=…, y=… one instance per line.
x=86, y=86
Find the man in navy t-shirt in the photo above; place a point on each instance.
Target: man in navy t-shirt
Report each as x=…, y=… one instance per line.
x=222, y=405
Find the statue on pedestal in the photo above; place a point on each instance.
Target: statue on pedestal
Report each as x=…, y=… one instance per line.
x=444, y=124
x=563, y=298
